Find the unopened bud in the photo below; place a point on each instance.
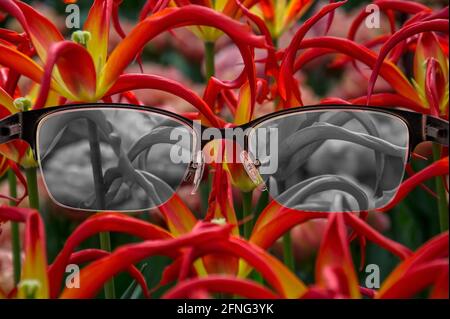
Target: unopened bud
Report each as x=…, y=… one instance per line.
x=81, y=37
x=29, y=288
x=219, y=221
x=22, y=103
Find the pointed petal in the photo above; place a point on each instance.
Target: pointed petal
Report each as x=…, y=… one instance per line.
x=295, y=9
x=423, y=276
x=390, y=99
x=169, y=19
x=438, y=25
x=334, y=265
x=286, y=82
x=275, y=220
x=363, y=229
x=97, y=273
x=409, y=7
x=217, y=283
x=220, y=202
x=244, y=109
x=6, y=104
x=34, y=268
x=94, y=225
x=440, y=289
x=20, y=63
x=428, y=46
x=285, y=282
x=79, y=77
x=42, y=32
x=425, y=265
x=178, y=216
x=89, y=255
x=438, y=168
x=98, y=24
x=390, y=72
x=128, y=82
x=436, y=88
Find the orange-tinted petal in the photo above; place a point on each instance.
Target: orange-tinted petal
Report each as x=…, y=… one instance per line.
x=6, y=104
x=417, y=266
x=169, y=19
x=178, y=216
x=100, y=223
x=218, y=283
x=98, y=24
x=334, y=266
x=43, y=33
x=34, y=280
x=244, y=109
x=20, y=63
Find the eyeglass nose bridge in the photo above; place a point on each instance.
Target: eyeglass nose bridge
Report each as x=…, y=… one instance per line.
x=197, y=165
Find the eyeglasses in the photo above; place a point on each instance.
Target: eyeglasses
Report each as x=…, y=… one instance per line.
x=119, y=157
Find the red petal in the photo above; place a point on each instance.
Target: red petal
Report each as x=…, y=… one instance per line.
x=409, y=7
x=34, y=267
x=438, y=168
x=6, y=104
x=389, y=100
x=169, y=19
x=178, y=216
x=401, y=35
x=388, y=70
x=128, y=82
x=88, y=255
x=288, y=88
x=20, y=62
x=97, y=273
x=98, y=24
x=362, y=228
x=79, y=77
x=435, y=86
x=425, y=266
x=43, y=33
x=217, y=283
x=105, y=222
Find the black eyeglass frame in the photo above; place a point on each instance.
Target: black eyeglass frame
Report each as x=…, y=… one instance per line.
x=421, y=127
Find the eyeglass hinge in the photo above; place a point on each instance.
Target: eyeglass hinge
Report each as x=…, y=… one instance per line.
x=435, y=130
x=8, y=131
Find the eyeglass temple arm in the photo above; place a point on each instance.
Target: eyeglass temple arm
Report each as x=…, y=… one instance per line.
x=435, y=130
x=10, y=128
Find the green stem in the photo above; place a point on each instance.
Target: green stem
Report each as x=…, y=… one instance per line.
x=205, y=187
x=209, y=60
x=288, y=251
x=205, y=190
x=246, y=212
x=97, y=172
x=263, y=201
x=15, y=234
x=33, y=194
x=442, y=198
x=105, y=244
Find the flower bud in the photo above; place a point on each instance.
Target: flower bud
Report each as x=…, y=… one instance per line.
x=22, y=103
x=81, y=37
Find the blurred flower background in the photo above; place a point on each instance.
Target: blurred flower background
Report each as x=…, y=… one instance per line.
x=263, y=67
